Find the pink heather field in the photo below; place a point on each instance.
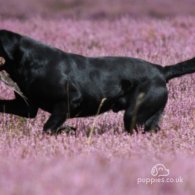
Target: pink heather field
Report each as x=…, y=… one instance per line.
x=110, y=161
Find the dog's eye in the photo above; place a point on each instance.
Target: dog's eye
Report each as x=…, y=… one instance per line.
x=2, y=60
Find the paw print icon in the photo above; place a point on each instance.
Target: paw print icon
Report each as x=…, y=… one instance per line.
x=159, y=170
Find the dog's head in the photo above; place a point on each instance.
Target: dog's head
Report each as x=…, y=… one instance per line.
x=8, y=45
x=2, y=52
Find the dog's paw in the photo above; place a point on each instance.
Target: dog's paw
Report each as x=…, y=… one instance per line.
x=153, y=130
x=48, y=132
x=66, y=129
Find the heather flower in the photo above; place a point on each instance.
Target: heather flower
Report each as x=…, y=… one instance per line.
x=113, y=161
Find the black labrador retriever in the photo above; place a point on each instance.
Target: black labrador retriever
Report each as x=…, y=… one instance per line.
x=69, y=85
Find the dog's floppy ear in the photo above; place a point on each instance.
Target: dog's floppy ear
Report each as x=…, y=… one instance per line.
x=8, y=43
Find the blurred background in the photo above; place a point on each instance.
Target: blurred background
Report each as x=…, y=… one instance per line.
x=95, y=9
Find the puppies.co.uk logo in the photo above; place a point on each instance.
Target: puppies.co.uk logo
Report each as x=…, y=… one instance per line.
x=159, y=170
x=160, y=174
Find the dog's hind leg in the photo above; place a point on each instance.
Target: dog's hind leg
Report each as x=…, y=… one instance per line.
x=152, y=122
x=130, y=116
x=129, y=121
x=146, y=107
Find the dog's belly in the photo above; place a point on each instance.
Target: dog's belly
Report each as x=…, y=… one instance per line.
x=95, y=108
x=120, y=104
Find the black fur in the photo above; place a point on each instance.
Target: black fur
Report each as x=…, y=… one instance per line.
x=70, y=85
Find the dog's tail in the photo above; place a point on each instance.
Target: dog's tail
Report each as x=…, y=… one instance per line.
x=179, y=69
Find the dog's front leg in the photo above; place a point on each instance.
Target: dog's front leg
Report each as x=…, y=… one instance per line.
x=18, y=107
x=57, y=118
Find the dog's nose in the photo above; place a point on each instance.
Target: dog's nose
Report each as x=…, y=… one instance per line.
x=2, y=61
